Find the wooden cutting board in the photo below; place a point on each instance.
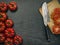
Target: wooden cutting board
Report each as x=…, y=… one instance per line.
x=51, y=6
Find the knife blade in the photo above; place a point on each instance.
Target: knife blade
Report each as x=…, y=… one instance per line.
x=46, y=19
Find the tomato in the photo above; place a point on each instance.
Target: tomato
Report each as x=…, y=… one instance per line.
x=2, y=38
x=57, y=11
x=12, y=6
x=55, y=14
x=9, y=41
x=3, y=16
x=57, y=21
x=18, y=40
x=9, y=23
x=9, y=32
x=56, y=29
x=2, y=27
x=3, y=6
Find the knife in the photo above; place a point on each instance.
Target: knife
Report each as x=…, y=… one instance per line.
x=46, y=19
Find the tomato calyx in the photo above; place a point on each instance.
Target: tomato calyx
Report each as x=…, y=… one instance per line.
x=12, y=5
x=9, y=42
x=1, y=16
x=8, y=23
x=2, y=6
x=9, y=33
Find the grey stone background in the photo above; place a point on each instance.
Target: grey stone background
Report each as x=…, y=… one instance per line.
x=28, y=23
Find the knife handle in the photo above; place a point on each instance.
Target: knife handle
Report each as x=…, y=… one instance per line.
x=47, y=33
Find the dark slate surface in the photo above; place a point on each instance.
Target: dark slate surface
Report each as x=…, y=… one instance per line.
x=28, y=23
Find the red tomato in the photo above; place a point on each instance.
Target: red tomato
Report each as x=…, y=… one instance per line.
x=56, y=29
x=57, y=11
x=2, y=38
x=9, y=41
x=57, y=21
x=9, y=23
x=9, y=32
x=3, y=6
x=3, y=16
x=56, y=14
x=18, y=40
x=2, y=26
x=12, y=6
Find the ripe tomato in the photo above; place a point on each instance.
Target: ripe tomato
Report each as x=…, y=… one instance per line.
x=9, y=41
x=3, y=6
x=57, y=21
x=18, y=40
x=55, y=14
x=9, y=23
x=2, y=27
x=57, y=11
x=12, y=6
x=56, y=29
x=9, y=32
x=3, y=16
x=2, y=38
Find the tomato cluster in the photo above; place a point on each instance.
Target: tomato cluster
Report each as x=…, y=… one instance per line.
x=56, y=20
x=11, y=6
x=7, y=33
